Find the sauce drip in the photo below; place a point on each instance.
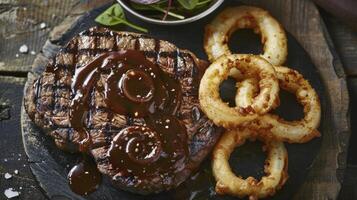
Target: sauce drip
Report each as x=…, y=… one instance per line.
x=139, y=89
x=84, y=177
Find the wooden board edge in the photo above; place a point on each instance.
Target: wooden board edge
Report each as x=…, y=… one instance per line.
x=320, y=184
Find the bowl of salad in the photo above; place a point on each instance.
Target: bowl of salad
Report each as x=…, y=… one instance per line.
x=170, y=12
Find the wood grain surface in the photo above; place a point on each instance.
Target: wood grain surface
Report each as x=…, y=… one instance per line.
x=304, y=23
x=345, y=40
x=20, y=24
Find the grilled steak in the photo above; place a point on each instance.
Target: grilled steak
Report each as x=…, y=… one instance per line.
x=48, y=104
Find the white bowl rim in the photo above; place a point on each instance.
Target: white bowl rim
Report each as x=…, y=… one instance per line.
x=173, y=22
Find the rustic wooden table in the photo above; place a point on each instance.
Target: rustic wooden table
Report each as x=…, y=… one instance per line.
x=29, y=22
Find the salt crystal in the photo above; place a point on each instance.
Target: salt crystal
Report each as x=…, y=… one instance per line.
x=20, y=188
x=11, y=193
x=43, y=25
x=5, y=159
x=33, y=52
x=24, y=49
x=16, y=171
x=17, y=55
x=7, y=176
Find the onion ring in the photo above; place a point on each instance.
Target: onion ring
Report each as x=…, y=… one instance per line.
x=275, y=167
x=273, y=36
x=248, y=87
x=272, y=125
x=250, y=66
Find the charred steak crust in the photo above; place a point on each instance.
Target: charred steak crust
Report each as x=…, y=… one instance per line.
x=47, y=101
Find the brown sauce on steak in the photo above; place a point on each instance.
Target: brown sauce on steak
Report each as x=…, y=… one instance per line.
x=84, y=177
x=137, y=88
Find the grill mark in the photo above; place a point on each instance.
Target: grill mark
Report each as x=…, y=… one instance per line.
x=90, y=111
x=92, y=51
x=195, y=75
x=101, y=160
x=61, y=108
x=106, y=133
x=54, y=99
x=157, y=45
x=38, y=92
x=151, y=54
x=70, y=129
x=94, y=32
x=157, y=50
x=183, y=67
x=137, y=44
x=115, y=45
x=63, y=87
x=134, y=36
x=69, y=134
x=129, y=121
x=177, y=53
x=68, y=50
x=108, y=127
x=165, y=54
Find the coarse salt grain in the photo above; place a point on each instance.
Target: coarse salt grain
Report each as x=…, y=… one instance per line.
x=7, y=176
x=43, y=25
x=24, y=49
x=11, y=193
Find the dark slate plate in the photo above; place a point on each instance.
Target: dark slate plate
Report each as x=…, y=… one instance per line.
x=50, y=165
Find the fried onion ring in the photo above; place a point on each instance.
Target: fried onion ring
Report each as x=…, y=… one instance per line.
x=275, y=167
x=273, y=36
x=250, y=66
x=272, y=125
x=248, y=87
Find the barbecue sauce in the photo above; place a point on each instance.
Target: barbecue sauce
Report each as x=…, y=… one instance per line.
x=84, y=177
x=137, y=88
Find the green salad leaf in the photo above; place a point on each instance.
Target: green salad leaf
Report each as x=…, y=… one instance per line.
x=188, y=4
x=114, y=15
x=156, y=7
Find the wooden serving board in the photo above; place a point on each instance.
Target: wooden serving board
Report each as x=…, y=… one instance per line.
x=321, y=179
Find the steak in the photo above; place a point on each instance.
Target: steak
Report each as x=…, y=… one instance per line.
x=48, y=101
